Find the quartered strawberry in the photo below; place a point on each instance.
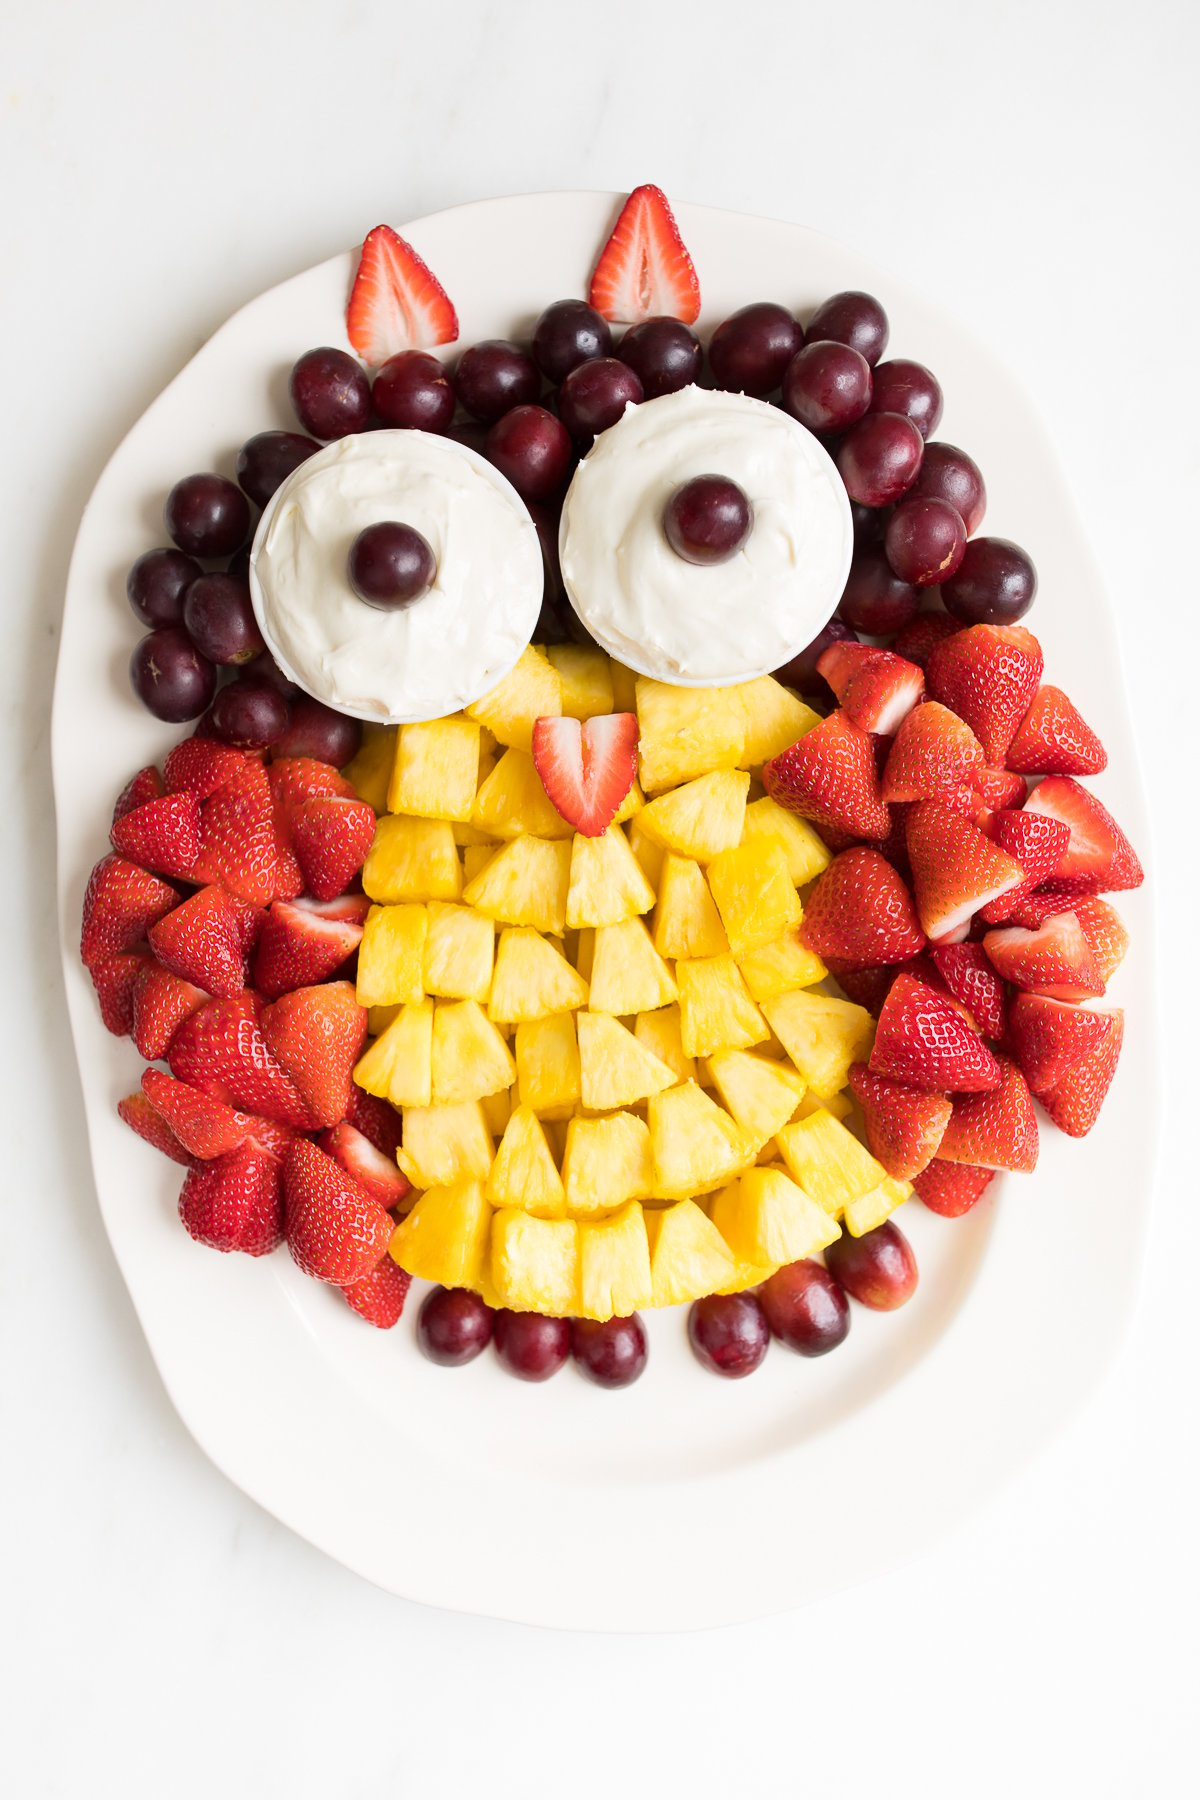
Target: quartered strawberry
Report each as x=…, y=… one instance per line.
x=120, y=904
x=644, y=270
x=332, y=838
x=1055, y=960
x=881, y=692
x=379, y=1297
x=1105, y=932
x=236, y=1202
x=951, y=1189
x=830, y=777
x=915, y=642
x=143, y=1118
x=996, y=1130
x=378, y=1122
x=1032, y=910
x=114, y=980
x=161, y=1002
x=1099, y=858
x=205, y=1126
x=397, y=302
x=162, y=834
x=587, y=768
x=146, y=785
x=867, y=985
x=375, y=1173
x=335, y=1231
x=304, y=941
x=932, y=751
x=956, y=869
x=200, y=766
x=1055, y=739
x=200, y=942
x=1049, y=1037
x=904, y=1125
x=237, y=837
x=221, y=1049
x=1075, y=1100
x=970, y=978
x=988, y=675
x=923, y=1040
x=997, y=789
x=317, y=1035
x=1037, y=842
x=860, y=911
x=839, y=661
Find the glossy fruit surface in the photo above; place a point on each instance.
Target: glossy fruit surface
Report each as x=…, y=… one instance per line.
x=531, y=1346
x=532, y=449
x=207, y=515
x=412, y=392
x=875, y=600
x=250, y=713
x=925, y=541
x=611, y=1353
x=219, y=619
x=995, y=583
x=330, y=393
x=493, y=376
x=156, y=585
x=453, y=1326
x=750, y=350
x=170, y=677
x=568, y=334
x=314, y=729
x=729, y=1334
x=851, y=318
x=906, y=387
x=708, y=519
x=594, y=396
x=802, y=673
x=878, y=1269
x=879, y=458
x=948, y=473
x=390, y=565
x=663, y=354
x=265, y=461
x=827, y=386
x=806, y=1308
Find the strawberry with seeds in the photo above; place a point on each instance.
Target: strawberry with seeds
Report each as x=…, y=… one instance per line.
x=956, y=870
x=988, y=675
x=317, y=1034
x=334, y=1230
x=120, y=904
x=161, y=1002
x=1037, y=842
x=867, y=986
x=916, y=641
x=933, y=751
x=236, y=1202
x=331, y=837
x=206, y=1127
x=860, y=911
x=221, y=1050
x=951, y=1189
x=587, y=768
x=200, y=766
x=1054, y=739
x=1099, y=858
x=644, y=271
x=375, y=1172
x=1049, y=1037
x=881, y=692
x=161, y=834
x=379, y=1297
x=1105, y=932
x=397, y=302
x=923, y=1040
x=970, y=978
x=830, y=777
x=115, y=980
x=237, y=837
x=304, y=941
x=904, y=1125
x=1075, y=1100
x=994, y=1130
x=200, y=941
x=149, y=1124
x=378, y=1122
x=1055, y=960
x=146, y=785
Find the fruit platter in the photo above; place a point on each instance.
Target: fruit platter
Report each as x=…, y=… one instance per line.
x=603, y=911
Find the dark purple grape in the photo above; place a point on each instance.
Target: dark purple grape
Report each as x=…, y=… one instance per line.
x=708, y=519
x=827, y=386
x=314, y=729
x=878, y=458
x=663, y=354
x=948, y=473
x=995, y=583
x=390, y=565
x=875, y=601
x=801, y=673
x=806, y=1308
x=611, y=1353
x=219, y=619
x=925, y=541
x=207, y=515
x=568, y=334
x=531, y=1346
x=870, y=522
x=170, y=677
x=239, y=566
x=265, y=461
x=878, y=1269
x=595, y=395
x=250, y=713
x=493, y=376
x=750, y=350
x=156, y=585
x=729, y=1333
x=532, y=449
x=330, y=393
x=911, y=389
x=453, y=1326
x=471, y=433
x=267, y=669
x=412, y=392
x=851, y=318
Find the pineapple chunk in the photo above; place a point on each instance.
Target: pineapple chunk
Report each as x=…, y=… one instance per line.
x=614, y=1265
x=437, y=767
x=607, y=884
x=684, y=732
x=587, y=687
x=688, y=1256
x=413, y=859
x=715, y=1009
x=781, y=967
x=840, y=1105
x=458, y=952
x=535, y=1262
x=445, y=1236
x=695, y=1145
x=475, y=859
x=530, y=691
x=823, y=1036
x=445, y=1144
x=379, y=1018
x=624, y=686
x=760, y=1094
x=630, y=805
x=585, y=951
x=370, y=770
x=867, y=1211
x=774, y=717
x=606, y=1162
x=532, y=979
x=470, y=1058
x=391, y=956
x=628, y=975
x=767, y=1220
x=661, y=1032
x=523, y=1173
x=399, y=1065
x=650, y=855
x=548, y=1075
x=828, y=1161
x=806, y=855
x=513, y=803
x=754, y=895
x=525, y=883
x=615, y=1070
x=497, y=1111
x=686, y=920
x=702, y=818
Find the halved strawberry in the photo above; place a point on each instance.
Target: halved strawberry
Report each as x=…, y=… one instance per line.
x=1037, y=842
x=1075, y=1100
x=881, y=692
x=988, y=675
x=916, y=641
x=587, y=769
x=162, y=834
x=956, y=869
x=644, y=270
x=205, y=1126
x=1055, y=739
x=294, y=779
x=114, y=980
x=840, y=660
x=332, y=837
x=143, y=1118
x=221, y=1049
x=378, y=1122
x=303, y=942
x=317, y=1034
x=120, y=904
x=1099, y=859
x=997, y=789
x=161, y=1002
x=379, y=1297
x=199, y=941
x=375, y=1173
x=996, y=1130
x=237, y=837
x=924, y=1041
x=904, y=1125
x=146, y=785
x=236, y=1202
x=200, y=766
x=860, y=911
x=1050, y=1036
x=971, y=979
x=397, y=302
x=951, y=1189
x=335, y=1231
x=1055, y=960
x=1032, y=910
x=1105, y=932
x=932, y=751
x=830, y=776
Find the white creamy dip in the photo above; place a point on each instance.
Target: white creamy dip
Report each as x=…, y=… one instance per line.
x=725, y=622
x=448, y=647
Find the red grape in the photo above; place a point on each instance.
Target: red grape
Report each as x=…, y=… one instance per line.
x=568, y=334
x=267, y=669
x=412, y=392
x=870, y=522
x=453, y=1326
x=708, y=519
x=331, y=393
x=264, y=462
x=806, y=1308
x=878, y=1269
x=750, y=350
x=827, y=386
x=995, y=584
x=531, y=1346
x=851, y=318
x=875, y=601
x=911, y=389
x=250, y=713
x=729, y=1333
x=611, y=1353
x=948, y=473
x=801, y=672
x=219, y=619
x=156, y=585
x=879, y=458
x=595, y=395
x=314, y=729
x=170, y=677
x=390, y=565
x=494, y=375
x=207, y=515
x=532, y=449
x=663, y=354
x=925, y=540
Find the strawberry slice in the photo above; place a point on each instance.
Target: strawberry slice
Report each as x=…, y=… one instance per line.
x=881, y=692
x=1037, y=842
x=397, y=302
x=161, y=834
x=1074, y=1102
x=120, y=904
x=1050, y=1036
x=161, y=1002
x=331, y=837
x=200, y=942
x=379, y=1297
x=956, y=869
x=146, y=785
x=860, y=911
x=334, y=1230
x=375, y=1173
x=294, y=779
x=1034, y=909
x=988, y=675
x=200, y=766
x=1055, y=960
x=221, y=1049
x=951, y=1189
x=970, y=978
x=302, y=943
x=841, y=660
x=317, y=1035
x=998, y=789
x=238, y=846
x=1105, y=932
x=143, y=1118
x=830, y=777
x=587, y=768
x=236, y=1202
x=115, y=980
x=205, y=1126
x=1055, y=739
x=904, y=1125
x=916, y=641
x=378, y=1122
x=996, y=1130
x=924, y=1041
x=644, y=271
x=933, y=751
x=1099, y=858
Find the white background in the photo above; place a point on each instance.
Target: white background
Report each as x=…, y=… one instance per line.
x=1033, y=165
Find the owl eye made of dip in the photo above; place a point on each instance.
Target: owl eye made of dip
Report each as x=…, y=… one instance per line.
x=390, y=565
x=708, y=519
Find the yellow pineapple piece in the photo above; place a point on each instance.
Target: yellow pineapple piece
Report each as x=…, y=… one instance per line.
x=695, y=1145
x=781, y=967
x=532, y=979
x=497, y=1111
x=513, y=803
x=413, y=859
x=614, y=1265
x=398, y=1066
x=441, y=1145
x=475, y=859
x=806, y=855
x=437, y=767
x=615, y=1070
x=754, y=895
x=661, y=1032
x=458, y=952
x=535, y=1262
x=606, y=1162
x=716, y=1010
x=607, y=883
x=828, y=1161
x=445, y=1236
x=548, y=1074
x=774, y=717
x=530, y=691
x=823, y=1036
x=759, y=1094
x=840, y=1105
x=686, y=732
x=370, y=769
x=688, y=1256
x=649, y=853
x=391, y=956
x=631, y=805
x=624, y=686
x=628, y=975
x=525, y=883
x=767, y=1220
x=379, y=1018
x=586, y=679
x=470, y=1058
x=524, y=1172
x=686, y=920
x=701, y=818
x=585, y=951
x=866, y=1211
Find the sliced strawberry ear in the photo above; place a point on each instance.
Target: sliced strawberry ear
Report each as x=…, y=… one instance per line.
x=644, y=269
x=587, y=770
x=397, y=302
